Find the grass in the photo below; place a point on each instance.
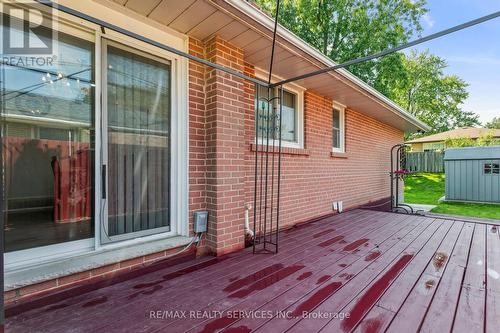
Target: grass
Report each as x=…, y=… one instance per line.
x=486, y=211
x=424, y=188
x=427, y=188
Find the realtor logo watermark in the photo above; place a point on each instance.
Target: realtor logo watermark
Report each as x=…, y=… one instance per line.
x=26, y=30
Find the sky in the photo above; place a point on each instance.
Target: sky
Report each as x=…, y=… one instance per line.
x=472, y=54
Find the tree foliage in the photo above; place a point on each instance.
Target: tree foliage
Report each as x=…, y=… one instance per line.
x=348, y=29
x=494, y=123
x=485, y=140
x=434, y=97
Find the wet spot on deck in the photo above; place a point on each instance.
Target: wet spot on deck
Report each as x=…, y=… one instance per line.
x=57, y=306
x=343, y=242
x=354, y=245
x=322, y=233
x=218, y=324
x=343, y=265
x=439, y=260
x=267, y=281
x=304, y=275
x=346, y=276
x=372, y=325
x=492, y=273
x=147, y=285
x=181, y=272
x=372, y=256
x=96, y=301
x=239, y=329
x=370, y=297
x=193, y=268
x=249, y=279
x=323, y=279
x=152, y=290
x=299, y=227
x=316, y=299
x=429, y=284
x=331, y=241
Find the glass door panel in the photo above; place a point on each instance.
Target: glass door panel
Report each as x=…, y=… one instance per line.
x=47, y=120
x=138, y=142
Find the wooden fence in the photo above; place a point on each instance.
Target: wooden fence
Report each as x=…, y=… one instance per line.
x=427, y=161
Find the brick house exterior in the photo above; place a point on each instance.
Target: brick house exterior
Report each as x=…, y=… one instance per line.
x=221, y=163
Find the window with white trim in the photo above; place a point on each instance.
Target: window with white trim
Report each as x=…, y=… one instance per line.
x=338, y=129
x=291, y=113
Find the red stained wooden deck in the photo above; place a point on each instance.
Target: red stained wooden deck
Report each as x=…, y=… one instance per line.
x=379, y=271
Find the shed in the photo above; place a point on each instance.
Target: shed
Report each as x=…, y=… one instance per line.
x=473, y=174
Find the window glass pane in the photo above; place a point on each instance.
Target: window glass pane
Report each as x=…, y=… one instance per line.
x=487, y=168
x=496, y=168
x=289, y=113
x=48, y=152
x=138, y=92
x=336, y=138
x=289, y=100
x=288, y=124
x=336, y=129
x=336, y=118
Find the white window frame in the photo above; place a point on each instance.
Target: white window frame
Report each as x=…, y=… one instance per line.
x=341, y=108
x=299, y=118
x=179, y=181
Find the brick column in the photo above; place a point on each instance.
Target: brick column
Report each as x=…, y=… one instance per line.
x=225, y=148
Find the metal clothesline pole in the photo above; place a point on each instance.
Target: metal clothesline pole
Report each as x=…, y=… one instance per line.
x=393, y=50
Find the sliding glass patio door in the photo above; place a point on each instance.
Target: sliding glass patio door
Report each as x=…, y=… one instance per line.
x=136, y=143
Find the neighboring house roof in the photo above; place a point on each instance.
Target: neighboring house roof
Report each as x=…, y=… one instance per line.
x=247, y=27
x=464, y=132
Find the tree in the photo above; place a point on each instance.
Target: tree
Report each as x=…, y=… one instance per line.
x=434, y=97
x=348, y=29
x=494, y=123
x=485, y=140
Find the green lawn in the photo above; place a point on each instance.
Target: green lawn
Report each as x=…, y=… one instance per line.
x=469, y=209
x=424, y=188
x=427, y=188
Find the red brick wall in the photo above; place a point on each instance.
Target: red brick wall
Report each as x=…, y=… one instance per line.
x=312, y=178
x=313, y=181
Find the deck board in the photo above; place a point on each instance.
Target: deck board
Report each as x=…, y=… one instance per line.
x=410, y=315
x=441, y=312
x=375, y=266
x=492, y=278
x=384, y=278
x=218, y=298
x=301, y=300
x=471, y=305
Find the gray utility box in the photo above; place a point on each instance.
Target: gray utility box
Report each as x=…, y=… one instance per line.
x=472, y=174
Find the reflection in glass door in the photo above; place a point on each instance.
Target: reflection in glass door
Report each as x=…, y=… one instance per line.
x=137, y=113
x=47, y=126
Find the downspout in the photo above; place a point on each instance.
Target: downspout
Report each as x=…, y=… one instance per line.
x=248, y=232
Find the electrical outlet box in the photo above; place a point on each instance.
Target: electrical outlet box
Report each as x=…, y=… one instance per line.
x=337, y=206
x=200, y=221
